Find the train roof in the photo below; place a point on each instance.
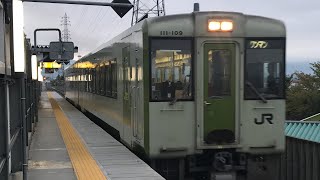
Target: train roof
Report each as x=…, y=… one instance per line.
x=195, y=25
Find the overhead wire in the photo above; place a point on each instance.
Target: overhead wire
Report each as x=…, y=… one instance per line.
x=92, y=22
x=80, y=19
x=98, y=22
x=89, y=21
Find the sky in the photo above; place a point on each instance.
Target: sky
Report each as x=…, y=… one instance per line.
x=92, y=26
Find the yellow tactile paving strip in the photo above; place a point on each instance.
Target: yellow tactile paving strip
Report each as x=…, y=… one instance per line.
x=85, y=167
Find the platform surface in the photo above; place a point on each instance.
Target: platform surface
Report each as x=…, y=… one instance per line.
x=49, y=157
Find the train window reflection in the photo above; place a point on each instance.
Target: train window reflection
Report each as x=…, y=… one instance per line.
x=264, y=73
x=219, y=62
x=171, y=70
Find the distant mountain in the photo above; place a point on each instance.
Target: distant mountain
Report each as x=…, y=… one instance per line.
x=294, y=66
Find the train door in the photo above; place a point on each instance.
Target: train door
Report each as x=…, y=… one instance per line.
x=219, y=93
x=135, y=99
x=78, y=86
x=127, y=75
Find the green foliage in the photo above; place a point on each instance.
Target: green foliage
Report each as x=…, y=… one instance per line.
x=59, y=81
x=289, y=80
x=303, y=93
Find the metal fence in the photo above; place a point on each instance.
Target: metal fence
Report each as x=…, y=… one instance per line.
x=18, y=116
x=301, y=161
x=15, y=125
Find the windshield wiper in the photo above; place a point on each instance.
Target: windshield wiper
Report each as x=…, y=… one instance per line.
x=174, y=100
x=256, y=92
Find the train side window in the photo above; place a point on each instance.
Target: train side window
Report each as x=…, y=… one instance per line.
x=74, y=82
x=90, y=80
x=81, y=84
x=102, y=79
x=87, y=80
x=114, y=78
x=171, y=69
x=111, y=78
x=108, y=79
x=71, y=84
x=82, y=80
x=84, y=85
x=93, y=70
x=79, y=80
x=98, y=79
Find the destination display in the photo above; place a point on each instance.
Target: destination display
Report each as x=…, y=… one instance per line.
x=264, y=44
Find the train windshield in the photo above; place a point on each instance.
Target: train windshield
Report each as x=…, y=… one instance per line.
x=171, y=69
x=264, y=67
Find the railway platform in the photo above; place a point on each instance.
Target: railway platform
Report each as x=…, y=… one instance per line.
x=68, y=145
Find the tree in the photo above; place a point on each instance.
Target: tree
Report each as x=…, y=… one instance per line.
x=303, y=93
x=289, y=81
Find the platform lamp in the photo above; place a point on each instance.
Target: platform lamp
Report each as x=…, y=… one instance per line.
x=40, y=77
x=18, y=37
x=19, y=69
x=34, y=67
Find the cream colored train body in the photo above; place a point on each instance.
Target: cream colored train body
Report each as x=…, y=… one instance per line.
x=205, y=88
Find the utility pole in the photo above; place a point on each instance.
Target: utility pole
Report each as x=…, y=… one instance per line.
x=142, y=10
x=65, y=22
x=65, y=35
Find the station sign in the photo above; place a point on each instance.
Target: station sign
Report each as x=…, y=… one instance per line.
x=63, y=51
x=121, y=11
x=51, y=65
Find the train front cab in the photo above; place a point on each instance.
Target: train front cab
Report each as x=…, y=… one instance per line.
x=241, y=102
x=235, y=90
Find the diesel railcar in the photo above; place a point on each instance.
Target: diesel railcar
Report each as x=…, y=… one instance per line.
x=200, y=93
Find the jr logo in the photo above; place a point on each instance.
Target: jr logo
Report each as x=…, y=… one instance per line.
x=258, y=44
x=264, y=118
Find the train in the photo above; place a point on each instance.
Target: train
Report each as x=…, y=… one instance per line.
x=200, y=94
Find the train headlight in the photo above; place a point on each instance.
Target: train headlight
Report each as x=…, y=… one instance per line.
x=215, y=25
x=226, y=26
